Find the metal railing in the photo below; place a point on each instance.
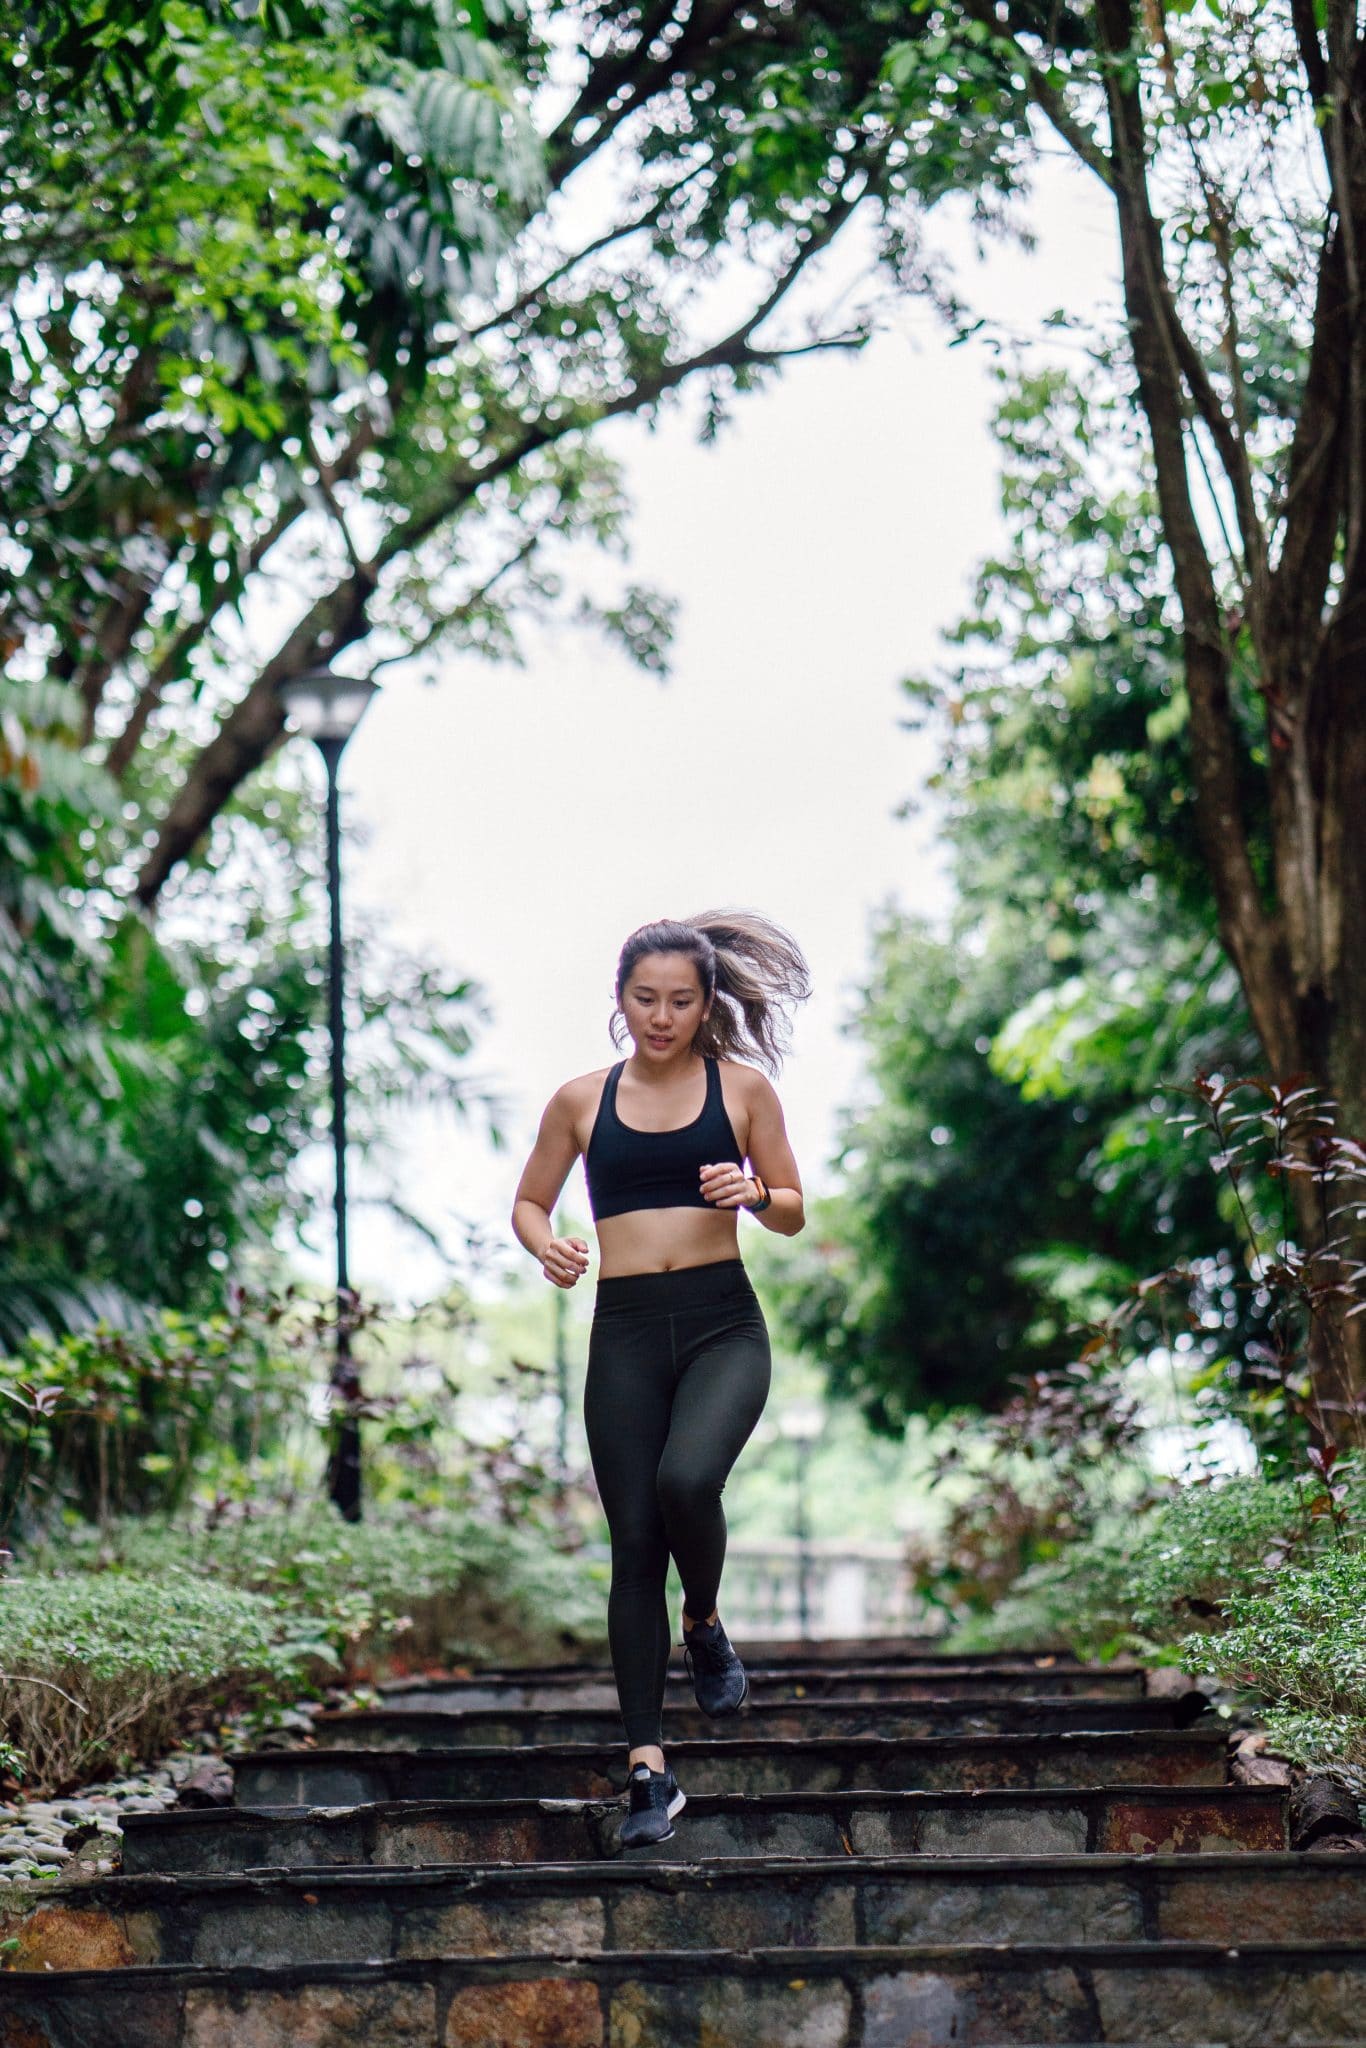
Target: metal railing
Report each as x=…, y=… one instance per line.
x=852, y=1589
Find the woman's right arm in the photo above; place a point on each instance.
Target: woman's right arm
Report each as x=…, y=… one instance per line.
x=563, y=1259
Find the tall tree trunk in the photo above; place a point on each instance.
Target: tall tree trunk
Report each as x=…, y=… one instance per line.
x=1297, y=939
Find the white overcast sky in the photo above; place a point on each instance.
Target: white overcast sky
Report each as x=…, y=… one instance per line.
x=519, y=822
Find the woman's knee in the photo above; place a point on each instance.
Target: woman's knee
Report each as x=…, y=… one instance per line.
x=640, y=1554
x=685, y=1488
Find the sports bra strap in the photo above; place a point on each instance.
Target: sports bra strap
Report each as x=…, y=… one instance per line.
x=628, y=1168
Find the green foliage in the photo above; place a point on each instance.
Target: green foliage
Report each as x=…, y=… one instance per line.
x=1017, y=1166
x=1062, y=712
x=156, y=1088
x=383, y=151
x=1276, y=1589
x=398, y=1587
x=1076, y=1598
x=1230, y=133
x=1139, y=658
x=1301, y=1639
x=1267, y=1566
x=1209, y=1544
x=52, y=1048
x=416, y=464
x=168, y=195
x=1140, y=1579
x=107, y=1421
x=115, y=1641
x=96, y=1670
x=1332, y=1745
x=981, y=1221
x=1061, y=1465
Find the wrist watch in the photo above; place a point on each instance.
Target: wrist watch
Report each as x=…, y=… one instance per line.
x=764, y=1196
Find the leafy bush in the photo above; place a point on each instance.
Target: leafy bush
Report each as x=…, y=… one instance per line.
x=105, y=1421
x=405, y=1589
x=1208, y=1545
x=114, y=1639
x=1333, y=1745
x=96, y=1669
x=1301, y=1642
x=1278, y=1593
x=1077, y=1600
x=1138, y=1581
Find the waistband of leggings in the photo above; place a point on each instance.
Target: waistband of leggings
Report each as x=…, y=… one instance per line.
x=683, y=1288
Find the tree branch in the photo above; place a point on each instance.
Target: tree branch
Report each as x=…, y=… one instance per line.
x=605, y=240
x=362, y=570
x=249, y=732
x=468, y=606
x=1344, y=162
x=734, y=349
x=1248, y=933
x=1089, y=151
x=1312, y=58
x=634, y=77
x=1050, y=102
x=171, y=665
x=112, y=637
x=337, y=620
x=1312, y=508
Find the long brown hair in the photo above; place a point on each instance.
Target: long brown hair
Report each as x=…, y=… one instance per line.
x=752, y=973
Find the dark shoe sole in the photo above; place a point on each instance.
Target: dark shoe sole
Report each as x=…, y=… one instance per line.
x=646, y=1841
x=676, y=1805
x=724, y=1713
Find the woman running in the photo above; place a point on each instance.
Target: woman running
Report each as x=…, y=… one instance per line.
x=678, y=1356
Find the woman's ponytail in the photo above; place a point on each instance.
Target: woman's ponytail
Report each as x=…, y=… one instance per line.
x=752, y=973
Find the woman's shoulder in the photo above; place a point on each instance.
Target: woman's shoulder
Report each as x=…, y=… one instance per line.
x=747, y=1081
x=584, y=1088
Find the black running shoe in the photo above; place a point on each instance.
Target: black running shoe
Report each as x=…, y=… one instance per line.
x=719, y=1679
x=655, y=1798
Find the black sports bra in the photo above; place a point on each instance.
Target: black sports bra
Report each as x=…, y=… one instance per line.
x=630, y=1169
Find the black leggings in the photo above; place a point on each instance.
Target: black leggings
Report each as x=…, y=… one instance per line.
x=678, y=1374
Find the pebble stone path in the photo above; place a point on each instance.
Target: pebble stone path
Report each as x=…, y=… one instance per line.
x=888, y=1850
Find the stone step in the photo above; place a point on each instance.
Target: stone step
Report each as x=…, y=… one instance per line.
x=350, y=1777
x=1257, y=1995
x=771, y=1902
x=776, y=1682
x=919, y=1653
x=1088, y=1819
x=781, y=1720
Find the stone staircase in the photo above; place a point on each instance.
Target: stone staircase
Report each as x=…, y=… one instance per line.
x=888, y=1850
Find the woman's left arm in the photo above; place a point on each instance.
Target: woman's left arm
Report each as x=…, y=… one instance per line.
x=770, y=1154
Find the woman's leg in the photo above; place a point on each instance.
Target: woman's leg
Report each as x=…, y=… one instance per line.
x=626, y=1407
x=718, y=1400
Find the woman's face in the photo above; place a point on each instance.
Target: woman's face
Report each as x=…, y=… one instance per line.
x=662, y=1004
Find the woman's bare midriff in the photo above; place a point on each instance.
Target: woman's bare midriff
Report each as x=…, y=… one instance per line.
x=663, y=1240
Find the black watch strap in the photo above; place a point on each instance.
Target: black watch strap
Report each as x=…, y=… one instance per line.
x=764, y=1196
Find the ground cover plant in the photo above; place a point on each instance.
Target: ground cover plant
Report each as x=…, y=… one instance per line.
x=117, y=1641
x=406, y=1586
x=96, y=1669
x=1301, y=1640
x=162, y=1489
x=111, y=1420
x=1063, y=1529
x=1240, y=1581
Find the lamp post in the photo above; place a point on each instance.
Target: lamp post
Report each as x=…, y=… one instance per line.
x=561, y=1383
x=327, y=708
x=802, y=1422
